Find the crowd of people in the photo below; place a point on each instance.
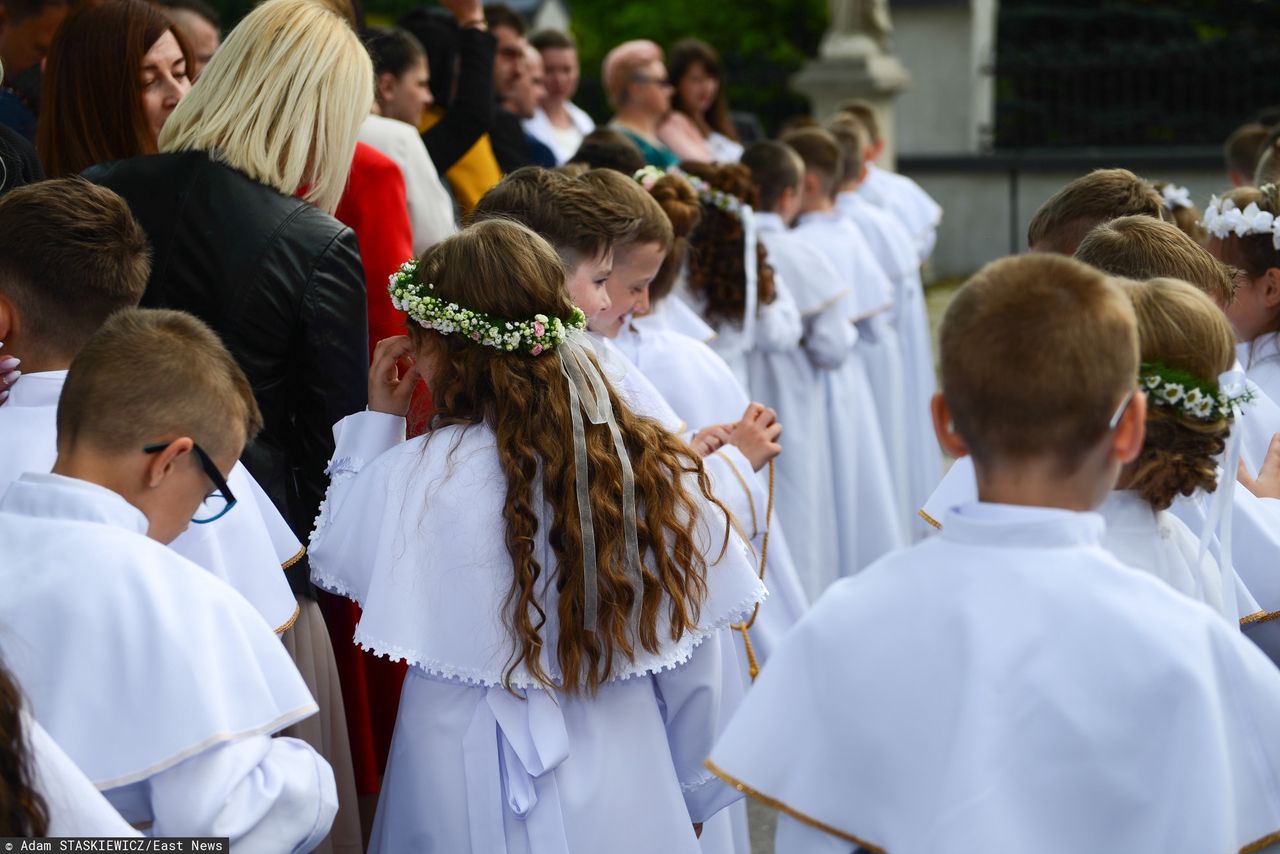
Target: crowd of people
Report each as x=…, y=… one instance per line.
x=394, y=461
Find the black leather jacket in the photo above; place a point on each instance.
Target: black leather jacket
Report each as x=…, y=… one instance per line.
x=280, y=281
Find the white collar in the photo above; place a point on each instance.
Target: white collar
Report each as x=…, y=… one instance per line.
x=38, y=389
x=768, y=221
x=1125, y=509
x=55, y=496
x=831, y=216
x=1017, y=526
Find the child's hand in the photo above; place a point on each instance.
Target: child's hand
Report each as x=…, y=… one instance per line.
x=756, y=435
x=708, y=440
x=1267, y=483
x=389, y=391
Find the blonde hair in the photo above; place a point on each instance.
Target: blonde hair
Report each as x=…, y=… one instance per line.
x=1180, y=328
x=148, y=373
x=281, y=101
x=1071, y=334
x=1139, y=247
x=621, y=65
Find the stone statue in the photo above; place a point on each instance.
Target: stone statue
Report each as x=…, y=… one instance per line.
x=858, y=27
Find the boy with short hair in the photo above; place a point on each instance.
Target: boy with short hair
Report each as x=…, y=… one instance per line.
x=1032, y=734
x=160, y=681
x=798, y=385
x=1139, y=247
x=72, y=254
x=891, y=191
x=1242, y=151
x=895, y=253
x=866, y=395
x=1069, y=214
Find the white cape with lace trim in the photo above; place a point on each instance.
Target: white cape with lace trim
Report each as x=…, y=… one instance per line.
x=1042, y=697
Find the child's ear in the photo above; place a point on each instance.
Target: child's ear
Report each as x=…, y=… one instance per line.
x=161, y=464
x=1270, y=283
x=951, y=442
x=1131, y=432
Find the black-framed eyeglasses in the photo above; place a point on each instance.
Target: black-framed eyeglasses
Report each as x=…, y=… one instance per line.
x=218, y=502
x=660, y=82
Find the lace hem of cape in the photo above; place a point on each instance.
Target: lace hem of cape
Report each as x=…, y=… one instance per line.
x=647, y=665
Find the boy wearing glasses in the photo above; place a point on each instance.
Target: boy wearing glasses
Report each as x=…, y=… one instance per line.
x=71, y=254
x=160, y=681
x=1008, y=685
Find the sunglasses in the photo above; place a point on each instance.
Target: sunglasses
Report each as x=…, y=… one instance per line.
x=218, y=502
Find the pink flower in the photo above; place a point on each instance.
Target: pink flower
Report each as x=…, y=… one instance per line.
x=539, y=329
x=537, y=350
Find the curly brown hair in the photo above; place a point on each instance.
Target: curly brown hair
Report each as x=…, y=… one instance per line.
x=717, y=271
x=23, y=812
x=504, y=269
x=1180, y=328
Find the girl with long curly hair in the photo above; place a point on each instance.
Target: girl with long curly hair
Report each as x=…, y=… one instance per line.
x=553, y=567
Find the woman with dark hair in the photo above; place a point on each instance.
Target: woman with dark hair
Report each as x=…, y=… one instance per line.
x=699, y=126
x=115, y=72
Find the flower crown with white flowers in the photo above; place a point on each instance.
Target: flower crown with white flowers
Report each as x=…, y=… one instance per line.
x=534, y=337
x=1223, y=218
x=1175, y=197
x=1195, y=398
x=647, y=176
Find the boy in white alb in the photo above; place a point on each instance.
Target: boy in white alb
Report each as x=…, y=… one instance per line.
x=868, y=455
x=919, y=214
x=795, y=382
x=160, y=681
x=71, y=253
x=895, y=252
x=1035, y=714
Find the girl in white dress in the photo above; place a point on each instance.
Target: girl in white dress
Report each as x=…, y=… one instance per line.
x=552, y=566
x=1244, y=233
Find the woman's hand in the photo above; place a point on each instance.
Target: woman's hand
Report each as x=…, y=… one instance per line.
x=756, y=435
x=465, y=11
x=389, y=390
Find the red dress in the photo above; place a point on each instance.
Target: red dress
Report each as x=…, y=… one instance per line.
x=374, y=207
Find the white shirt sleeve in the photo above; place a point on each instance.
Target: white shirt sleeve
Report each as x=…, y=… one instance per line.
x=76, y=807
x=691, y=707
x=829, y=338
x=265, y=794
x=778, y=325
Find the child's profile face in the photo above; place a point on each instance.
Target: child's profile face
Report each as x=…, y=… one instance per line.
x=628, y=287
x=587, y=282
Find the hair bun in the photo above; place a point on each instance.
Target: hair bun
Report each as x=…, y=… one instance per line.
x=679, y=202
x=1178, y=458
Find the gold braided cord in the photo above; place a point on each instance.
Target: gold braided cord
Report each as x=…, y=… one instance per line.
x=753, y=664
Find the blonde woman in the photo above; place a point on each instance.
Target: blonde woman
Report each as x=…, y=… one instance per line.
x=238, y=207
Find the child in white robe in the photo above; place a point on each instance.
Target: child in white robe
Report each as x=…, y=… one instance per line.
x=97, y=610
x=894, y=251
x=868, y=456
x=542, y=712
x=72, y=253
x=795, y=382
x=902, y=197
x=717, y=271
x=1036, y=711
x=688, y=374
x=1242, y=233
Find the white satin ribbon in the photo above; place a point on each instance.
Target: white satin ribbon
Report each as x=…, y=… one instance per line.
x=751, y=268
x=589, y=393
x=1218, y=519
